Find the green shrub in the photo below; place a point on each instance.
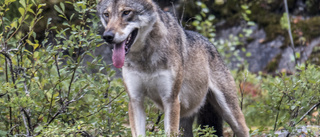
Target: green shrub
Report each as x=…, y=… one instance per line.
x=45, y=88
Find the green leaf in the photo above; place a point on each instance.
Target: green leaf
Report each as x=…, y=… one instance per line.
x=7, y=2
x=62, y=6
x=21, y=10
x=58, y=9
x=23, y=3
x=3, y=133
x=199, y=3
x=251, y=23
x=14, y=24
x=297, y=55
x=244, y=7
x=211, y=17
x=198, y=17
x=56, y=95
x=284, y=21
x=248, y=11
x=205, y=10
x=41, y=5
x=248, y=54
x=30, y=10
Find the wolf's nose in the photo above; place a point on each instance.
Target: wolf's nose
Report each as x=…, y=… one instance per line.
x=108, y=36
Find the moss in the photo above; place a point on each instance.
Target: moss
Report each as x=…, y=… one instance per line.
x=315, y=56
x=310, y=28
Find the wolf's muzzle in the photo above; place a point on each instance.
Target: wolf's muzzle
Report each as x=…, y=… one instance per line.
x=108, y=36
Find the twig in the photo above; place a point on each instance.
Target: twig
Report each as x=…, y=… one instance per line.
x=157, y=122
x=26, y=89
x=275, y=123
x=289, y=30
x=182, y=14
x=11, y=68
x=73, y=75
x=61, y=110
x=22, y=20
x=57, y=65
x=10, y=131
x=1, y=95
x=242, y=90
x=25, y=123
x=305, y=114
x=107, y=104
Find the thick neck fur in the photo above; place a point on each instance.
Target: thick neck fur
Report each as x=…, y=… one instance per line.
x=154, y=48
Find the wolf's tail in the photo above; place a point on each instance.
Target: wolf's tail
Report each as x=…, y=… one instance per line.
x=208, y=116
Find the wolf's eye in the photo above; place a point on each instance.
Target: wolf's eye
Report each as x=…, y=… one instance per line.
x=127, y=12
x=106, y=15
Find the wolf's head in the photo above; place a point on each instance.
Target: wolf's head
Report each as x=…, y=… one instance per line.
x=126, y=23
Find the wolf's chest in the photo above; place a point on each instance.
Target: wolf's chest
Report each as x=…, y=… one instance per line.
x=157, y=86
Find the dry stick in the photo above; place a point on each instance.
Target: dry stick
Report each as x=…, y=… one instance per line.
x=305, y=114
x=182, y=15
x=289, y=30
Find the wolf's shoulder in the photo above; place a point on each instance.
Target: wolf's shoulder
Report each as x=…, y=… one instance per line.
x=195, y=39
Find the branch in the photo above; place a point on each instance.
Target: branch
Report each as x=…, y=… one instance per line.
x=107, y=104
x=277, y=117
x=57, y=65
x=10, y=131
x=73, y=75
x=1, y=95
x=25, y=123
x=157, y=122
x=305, y=114
x=289, y=30
x=60, y=111
x=11, y=68
x=26, y=89
x=28, y=119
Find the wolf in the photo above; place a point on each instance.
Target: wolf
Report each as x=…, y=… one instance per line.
x=179, y=70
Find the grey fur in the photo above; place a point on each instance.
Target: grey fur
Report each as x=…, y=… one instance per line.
x=179, y=70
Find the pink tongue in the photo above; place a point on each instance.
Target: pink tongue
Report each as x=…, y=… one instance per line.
x=118, y=55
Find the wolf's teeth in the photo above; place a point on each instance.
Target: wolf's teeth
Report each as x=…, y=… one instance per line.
x=129, y=38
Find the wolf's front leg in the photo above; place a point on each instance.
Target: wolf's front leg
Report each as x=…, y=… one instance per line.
x=137, y=117
x=172, y=117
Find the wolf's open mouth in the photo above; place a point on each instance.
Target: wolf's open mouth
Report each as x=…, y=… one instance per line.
x=121, y=49
x=130, y=40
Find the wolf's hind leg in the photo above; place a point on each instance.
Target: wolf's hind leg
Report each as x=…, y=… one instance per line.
x=209, y=116
x=186, y=126
x=226, y=103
